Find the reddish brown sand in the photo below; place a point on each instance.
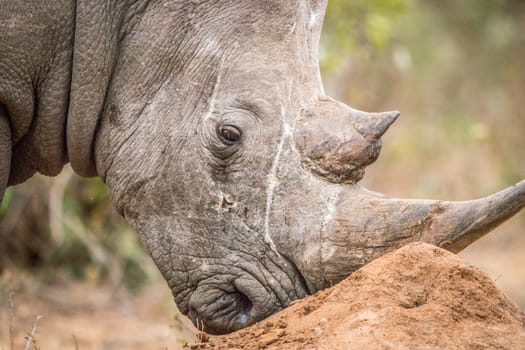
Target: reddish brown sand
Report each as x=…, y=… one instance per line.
x=418, y=297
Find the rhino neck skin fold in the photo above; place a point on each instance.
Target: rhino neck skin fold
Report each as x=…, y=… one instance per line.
x=35, y=73
x=5, y=146
x=208, y=123
x=55, y=69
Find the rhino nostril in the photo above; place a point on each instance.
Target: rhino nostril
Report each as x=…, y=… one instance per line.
x=244, y=307
x=233, y=303
x=243, y=302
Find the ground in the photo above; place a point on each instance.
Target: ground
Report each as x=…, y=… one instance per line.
x=88, y=317
x=419, y=296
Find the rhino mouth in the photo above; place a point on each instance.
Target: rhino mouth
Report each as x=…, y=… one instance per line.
x=229, y=312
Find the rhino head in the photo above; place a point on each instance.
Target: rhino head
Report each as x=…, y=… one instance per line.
x=218, y=144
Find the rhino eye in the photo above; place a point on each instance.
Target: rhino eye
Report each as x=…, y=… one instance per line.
x=229, y=134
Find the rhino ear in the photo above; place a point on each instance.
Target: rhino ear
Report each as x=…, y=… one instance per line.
x=95, y=51
x=318, y=4
x=318, y=7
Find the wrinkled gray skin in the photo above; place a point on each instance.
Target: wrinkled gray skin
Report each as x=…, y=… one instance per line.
x=209, y=125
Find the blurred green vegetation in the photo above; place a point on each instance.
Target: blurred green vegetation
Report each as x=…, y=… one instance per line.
x=455, y=69
x=353, y=25
x=78, y=233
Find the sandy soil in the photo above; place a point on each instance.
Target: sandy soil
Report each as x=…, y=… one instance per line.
x=416, y=297
x=501, y=255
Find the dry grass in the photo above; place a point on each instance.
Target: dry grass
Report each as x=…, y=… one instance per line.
x=30, y=338
x=84, y=316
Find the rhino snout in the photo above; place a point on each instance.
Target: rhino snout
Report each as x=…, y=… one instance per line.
x=235, y=294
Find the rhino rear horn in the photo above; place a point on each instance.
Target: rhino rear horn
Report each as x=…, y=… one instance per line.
x=337, y=142
x=373, y=125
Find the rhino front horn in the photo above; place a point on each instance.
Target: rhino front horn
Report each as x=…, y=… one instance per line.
x=462, y=223
x=364, y=225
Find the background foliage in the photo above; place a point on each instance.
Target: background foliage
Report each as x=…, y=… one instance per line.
x=454, y=69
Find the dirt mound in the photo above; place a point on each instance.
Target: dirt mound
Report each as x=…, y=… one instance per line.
x=419, y=296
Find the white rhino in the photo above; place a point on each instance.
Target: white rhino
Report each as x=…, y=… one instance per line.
x=208, y=122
